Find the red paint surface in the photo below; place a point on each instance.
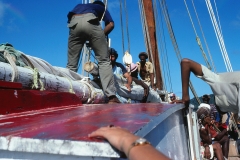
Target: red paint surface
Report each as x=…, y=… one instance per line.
x=76, y=122
x=10, y=85
x=14, y=99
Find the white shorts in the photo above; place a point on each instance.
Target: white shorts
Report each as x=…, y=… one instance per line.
x=202, y=149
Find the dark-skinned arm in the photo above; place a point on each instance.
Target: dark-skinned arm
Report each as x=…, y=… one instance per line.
x=205, y=136
x=221, y=135
x=108, y=28
x=145, y=87
x=152, y=81
x=129, y=81
x=188, y=66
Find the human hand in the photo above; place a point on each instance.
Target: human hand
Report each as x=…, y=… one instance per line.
x=154, y=88
x=207, y=153
x=185, y=100
x=128, y=87
x=118, y=137
x=186, y=103
x=144, y=99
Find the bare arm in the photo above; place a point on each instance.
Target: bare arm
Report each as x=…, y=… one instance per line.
x=108, y=28
x=145, y=87
x=152, y=81
x=188, y=66
x=129, y=80
x=221, y=135
x=122, y=139
x=204, y=135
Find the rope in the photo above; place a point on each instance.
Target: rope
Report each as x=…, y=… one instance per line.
x=219, y=37
x=104, y=10
x=71, y=86
x=36, y=79
x=143, y=21
x=198, y=39
x=11, y=61
x=120, y=2
x=148, y=42
x=126, y=13
x=206, y=44
x=164, y=64
x=235, y=125
x=173, y=39
x=92, y=92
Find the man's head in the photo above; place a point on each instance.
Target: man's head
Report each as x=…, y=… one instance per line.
x=172, y=96
x=133, y=70
x=143, y=56
x=206, y=98
x=113, y=54
x=99, y=2
x=202, y=113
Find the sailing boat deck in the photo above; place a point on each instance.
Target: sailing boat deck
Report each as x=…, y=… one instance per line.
x=63, y=131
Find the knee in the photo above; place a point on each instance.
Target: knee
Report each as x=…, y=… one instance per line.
x=185, y=61
x=217, y=146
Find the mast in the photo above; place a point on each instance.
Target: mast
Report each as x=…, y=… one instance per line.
x=152, y=42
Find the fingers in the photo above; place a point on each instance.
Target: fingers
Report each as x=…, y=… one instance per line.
x=177, y=101
x=111, y=125
x=101, y=131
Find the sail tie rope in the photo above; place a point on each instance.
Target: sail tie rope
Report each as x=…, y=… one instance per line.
x=11, y=61
x=36, y=79
x=91, y=89
x=71, y=86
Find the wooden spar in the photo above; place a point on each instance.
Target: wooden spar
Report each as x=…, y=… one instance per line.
x=152, y=43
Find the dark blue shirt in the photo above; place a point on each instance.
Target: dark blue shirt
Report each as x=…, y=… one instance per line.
x=96, y=9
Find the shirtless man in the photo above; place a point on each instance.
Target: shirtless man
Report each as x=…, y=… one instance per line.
x=145, y=70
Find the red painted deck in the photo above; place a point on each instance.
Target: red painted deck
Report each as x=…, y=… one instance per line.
x=15, y=99
x=76, y=122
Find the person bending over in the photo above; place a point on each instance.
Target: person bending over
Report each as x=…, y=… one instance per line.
x=225, y=86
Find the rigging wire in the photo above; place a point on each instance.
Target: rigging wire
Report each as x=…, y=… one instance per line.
x=146, y=37
x=157, y=26
x=205, y=41
x=120, y=2
x=142, y=20
x=165, y=63
x=121, y=17
x=174, y=42
x=197, y=38
x=218, y=17
x=126, y=13
x=219, y=37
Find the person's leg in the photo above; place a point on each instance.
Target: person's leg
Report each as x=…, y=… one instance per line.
x=218, y=151
x=238, y=145
x=75, y=43
x=188, y=66
x=100, y=48
x=225, y=145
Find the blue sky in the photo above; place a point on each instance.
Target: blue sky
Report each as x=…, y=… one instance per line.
x=39, y=28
